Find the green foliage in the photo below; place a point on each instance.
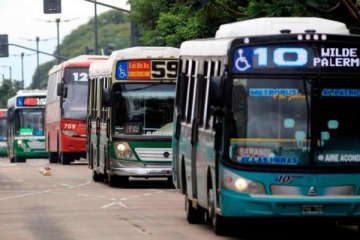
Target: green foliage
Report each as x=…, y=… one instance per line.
x=7, y=90
x=113, y=27
x=170, y=22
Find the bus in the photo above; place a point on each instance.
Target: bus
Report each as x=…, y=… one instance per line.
x=3, y=144
x=265, y=125
x=130, y=114
x=25, y=125
x=65, y=111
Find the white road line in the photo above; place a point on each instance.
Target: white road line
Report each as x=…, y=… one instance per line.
x=24, y=195
x=114, y=203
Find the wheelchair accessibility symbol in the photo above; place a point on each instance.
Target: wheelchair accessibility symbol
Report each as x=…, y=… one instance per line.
x=242, y=60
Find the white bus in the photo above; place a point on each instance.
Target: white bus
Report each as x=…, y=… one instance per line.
x=130, y=114
x=25, y=125
x=265, y=125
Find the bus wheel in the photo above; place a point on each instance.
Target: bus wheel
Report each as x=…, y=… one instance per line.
x=194, y=215
x=219, y=224
x=53, y=157
x=112, y=180
x=64, y=158
x=211, y=207
x=122, y=181
x=98, y=177
x=20, y=159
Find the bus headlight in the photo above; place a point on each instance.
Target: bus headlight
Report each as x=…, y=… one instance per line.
x=69, y=133
x=19, y=142
x=238, y=183
x=123, y=151
x=121, y=147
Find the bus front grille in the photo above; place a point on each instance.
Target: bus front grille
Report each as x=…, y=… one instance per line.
x=154, y=154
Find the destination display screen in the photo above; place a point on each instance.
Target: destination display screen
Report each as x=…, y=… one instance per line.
x=146, y=69
x=287, y=58
x=31, y=101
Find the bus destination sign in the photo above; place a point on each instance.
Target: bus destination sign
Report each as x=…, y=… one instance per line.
x=146, y=69
x=293, y=58
x=31, y=101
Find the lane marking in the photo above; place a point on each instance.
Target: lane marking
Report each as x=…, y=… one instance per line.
x=114, y=203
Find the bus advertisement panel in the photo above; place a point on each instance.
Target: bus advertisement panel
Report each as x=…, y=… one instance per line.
x=3, y=143
x=265, y=124
x=66, y=106
x=130, y=114
x=25, y=125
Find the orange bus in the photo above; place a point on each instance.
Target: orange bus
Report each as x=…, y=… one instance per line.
x=65, y=111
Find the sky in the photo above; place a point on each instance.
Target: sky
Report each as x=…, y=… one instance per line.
x=24, y=20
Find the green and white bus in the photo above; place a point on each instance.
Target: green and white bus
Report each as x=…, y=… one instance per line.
x=25, y=125
x=265, y=124
x=3, y=143
x=130, y=114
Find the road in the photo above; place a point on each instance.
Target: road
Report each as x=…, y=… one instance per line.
x=68, y=205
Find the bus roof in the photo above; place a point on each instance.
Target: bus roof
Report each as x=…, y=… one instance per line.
x=274, y=25
x=35, y=92
x=145, y=52
x=100, y=68
x=79, y=61
x=219, y=45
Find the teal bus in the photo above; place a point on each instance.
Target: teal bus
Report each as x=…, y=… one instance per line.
x=130, y=114
x=265, y=124
x=25, y=125
x=3, y=143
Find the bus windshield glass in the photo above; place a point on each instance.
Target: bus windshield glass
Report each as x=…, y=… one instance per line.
x=272, y=121
x=144, y=109
x=2, y=129
x=75, y=102
x=29, y=122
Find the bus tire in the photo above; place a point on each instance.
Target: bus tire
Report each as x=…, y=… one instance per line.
x=211, y=207
x=122, y=181
x=220, y=225
x=20, y=159
x=194, y=215
x=112, y=180
x=64, y=159
x=98, y=177
x=53, y=157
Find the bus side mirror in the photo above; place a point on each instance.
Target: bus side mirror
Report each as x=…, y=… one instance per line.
x=61, y=90
x=106, y=100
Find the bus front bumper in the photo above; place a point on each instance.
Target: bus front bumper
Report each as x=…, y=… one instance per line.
x=241, y=205
x=142, y=172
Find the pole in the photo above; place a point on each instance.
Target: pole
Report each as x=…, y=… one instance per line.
x=10, y=73
x=22, y=70
x=58, y=38
x=38, y=70
x=95, y=29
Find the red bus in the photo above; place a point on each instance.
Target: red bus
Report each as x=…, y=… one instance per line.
x=66, y=107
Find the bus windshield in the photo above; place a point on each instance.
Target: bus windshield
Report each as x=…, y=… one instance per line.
x=272, y=119
x=29, y=122
x=75, y=102
x=144, y=109
x=2, y=129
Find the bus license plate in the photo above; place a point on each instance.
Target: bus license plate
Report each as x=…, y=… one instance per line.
x=312, y=209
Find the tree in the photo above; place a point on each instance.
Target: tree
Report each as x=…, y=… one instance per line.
x=7, y=91
x=171, y=22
